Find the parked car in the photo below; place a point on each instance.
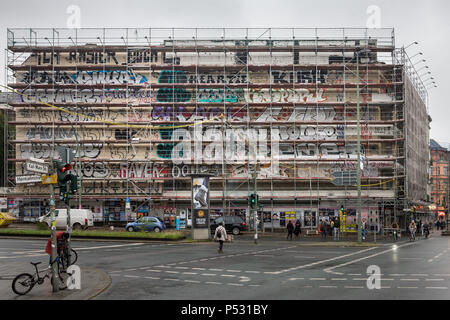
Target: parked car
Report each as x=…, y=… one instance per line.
x=79, y=218
x=146, y=224
x=234, y=224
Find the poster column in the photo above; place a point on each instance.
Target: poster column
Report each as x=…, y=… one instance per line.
x=200, y=208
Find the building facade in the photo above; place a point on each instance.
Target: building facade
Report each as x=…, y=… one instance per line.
x=274, y=110
x=439, y=176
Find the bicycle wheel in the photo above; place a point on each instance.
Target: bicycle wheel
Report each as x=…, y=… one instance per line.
x=23, y=283
x=73, y=257
x=61, y=280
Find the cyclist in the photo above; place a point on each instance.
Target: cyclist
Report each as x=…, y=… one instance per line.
x=412, y=229
x=426, y=229
x=395, y=228
x=61, y=240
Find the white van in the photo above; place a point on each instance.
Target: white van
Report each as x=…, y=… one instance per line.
x=79, y=218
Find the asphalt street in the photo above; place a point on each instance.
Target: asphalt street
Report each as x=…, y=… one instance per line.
x=269, y=270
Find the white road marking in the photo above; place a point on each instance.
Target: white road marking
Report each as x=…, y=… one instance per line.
x=153, y=278
x=407, y=287
x=327, y=286
x=193, y=273
x=130, y=276
x=208, y=274
x=153, y=270
x=234, y=271
x=172, y=271
x=317, y=279
x=228, y=275
x=409, y=280
x=324, y=261
x=192, y=281
x=434, y=280
x=338, y=279
x=353, y=287
x=367, y=257
x=293, y=279
x=439, y=288
x=235, y=284
x=210, y=282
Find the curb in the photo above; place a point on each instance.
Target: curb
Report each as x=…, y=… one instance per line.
x=37, y=236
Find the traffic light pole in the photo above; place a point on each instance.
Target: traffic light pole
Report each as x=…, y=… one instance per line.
x=53, y=255
x=69, y=226
x=255, y=189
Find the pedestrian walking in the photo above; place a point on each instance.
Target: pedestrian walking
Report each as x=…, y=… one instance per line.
x=336, y=228
x=323, y=229
x=364, y=228
x=298, y=228
x=220, y=235
x=290, y=229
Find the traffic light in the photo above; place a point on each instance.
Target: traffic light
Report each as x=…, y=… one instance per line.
x=253, y=200
x=64, y=176
x=342, y=209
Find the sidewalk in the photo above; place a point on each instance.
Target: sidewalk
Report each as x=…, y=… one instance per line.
x=93, y=282
x=346, y=239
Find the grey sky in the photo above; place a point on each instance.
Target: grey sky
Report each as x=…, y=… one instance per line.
x=423, y=21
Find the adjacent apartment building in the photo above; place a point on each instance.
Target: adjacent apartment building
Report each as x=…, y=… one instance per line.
x=439, y=177
x=147, y=108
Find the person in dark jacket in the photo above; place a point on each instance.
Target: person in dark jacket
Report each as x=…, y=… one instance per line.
x=323, y=228
x=290, y=229
x=298, y=228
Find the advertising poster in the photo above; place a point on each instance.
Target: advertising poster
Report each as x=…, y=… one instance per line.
x=276, y=219
x=200, y=202
x=282, y=219
x=200, y=192
x=200, y=218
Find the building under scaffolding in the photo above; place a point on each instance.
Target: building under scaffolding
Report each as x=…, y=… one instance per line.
x=130, y=101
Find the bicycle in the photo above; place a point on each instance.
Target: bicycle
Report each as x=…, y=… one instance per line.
x=67, y=259
x=412, y=235
x=395, y=235
x=24, y=282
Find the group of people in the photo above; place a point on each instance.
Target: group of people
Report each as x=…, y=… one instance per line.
x=325, y=228
x=297, y=229
x=331, y=228
x=413, y=227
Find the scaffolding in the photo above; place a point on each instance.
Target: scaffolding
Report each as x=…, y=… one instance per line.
x=119, y=95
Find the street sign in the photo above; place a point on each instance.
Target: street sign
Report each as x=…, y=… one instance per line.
x=50, y=179
x=28, y=179
x=36, y=167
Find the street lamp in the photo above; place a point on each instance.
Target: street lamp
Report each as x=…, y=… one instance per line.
x=424, y=67
x=420, y=53
x=424, y=74
x=415, y=42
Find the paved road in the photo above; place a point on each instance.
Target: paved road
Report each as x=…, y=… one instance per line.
x=272, y=269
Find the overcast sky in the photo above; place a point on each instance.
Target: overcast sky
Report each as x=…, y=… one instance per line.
x=426, y=22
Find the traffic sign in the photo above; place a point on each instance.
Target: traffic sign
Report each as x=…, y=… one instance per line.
x=50, y=179
x=28, y=179
x=36, y=167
